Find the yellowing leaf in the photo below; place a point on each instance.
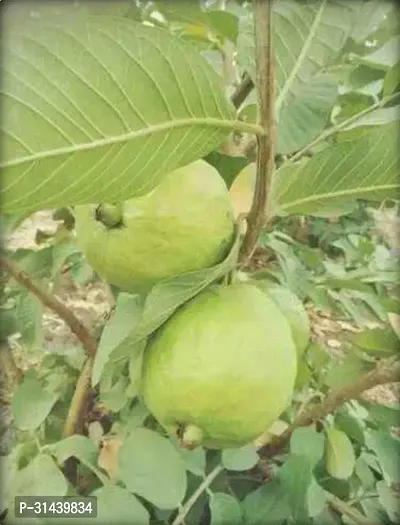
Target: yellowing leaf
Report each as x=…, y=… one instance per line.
x=340, y=458
x=242, y=189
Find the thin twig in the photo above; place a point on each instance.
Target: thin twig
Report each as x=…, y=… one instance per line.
x=342, y=125
x=265, y=83
x=242, y=91
x=386, y=371
x=51, y=301
x=342, y=507
x=79, y=397
x=82, y=388
x=183, y=512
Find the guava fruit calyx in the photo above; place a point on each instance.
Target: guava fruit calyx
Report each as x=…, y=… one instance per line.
x=110, y=215
x=190, y=436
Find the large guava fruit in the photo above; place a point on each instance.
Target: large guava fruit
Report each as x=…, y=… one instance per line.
x=186, y=223
x=293, y=308
x=221, y=370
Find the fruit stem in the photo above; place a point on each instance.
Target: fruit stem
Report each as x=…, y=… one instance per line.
x=109, y=214
x=192, y=436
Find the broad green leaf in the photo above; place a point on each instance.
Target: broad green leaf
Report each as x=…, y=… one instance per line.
x=371, y=14
x=126, y=314
x=373, y=510
x=267, y=505
x=384, y=57
x=365, y=167
x=195, y=460
x=116, y=504
x=80, y=447
x=307, y=37
x=29, y=314
x=243, y=458
x=377, y=341
x=316, y=498
x=41, y=477
x=99, y=108
x=350, y=425
x=346, y=372
x=392, y=80
x=227, y=166
x=389, y=500
x=364, y=473
x=384, y=415
x=308, y=442
x=221, y=23
x=115, y=397
x=169, y=294
x=296, y=478
x=327, y=517
x=150, y=466
x=340, y=457
x=135, y=369
x=306, y=113
x=31, y=403
x=387, y=450
x=225, y=509
x=379, y=117
x=61, y=253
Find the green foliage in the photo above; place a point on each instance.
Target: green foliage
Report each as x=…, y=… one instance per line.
x=151, y=467
x=100, y=101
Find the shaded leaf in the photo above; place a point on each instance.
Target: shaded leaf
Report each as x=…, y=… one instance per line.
x=41, y=477
x=150, y=466
x=316, y=498
x=384, y=415
x=371, y=14
x=307, y=36
x=225, y=509
x=243, y=458
x=345, y=373
x=389, y=500
x=392, y=80
x=340, y=457
x=169, y=294
x=125, y=316
x=80, y=447
x=29, y=314
x=32, y=403
x=266, y=505
x=296, y=478
x=387, y=450
x=377, y=341
x=364, y=473
x=99, y=108
x=350, y=425
x=116, y=504
x=308, y=442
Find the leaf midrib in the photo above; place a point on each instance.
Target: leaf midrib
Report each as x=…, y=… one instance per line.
x=319, y=196
x=125, y=137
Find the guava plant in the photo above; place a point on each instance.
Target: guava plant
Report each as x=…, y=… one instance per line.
x=224, y=169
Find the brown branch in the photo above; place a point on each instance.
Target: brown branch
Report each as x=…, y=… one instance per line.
x=265, y=83
x=82, y=388
x=51, y=301
x=75, y=413
x=242, y=91
x=387, y=371
x=342, y=507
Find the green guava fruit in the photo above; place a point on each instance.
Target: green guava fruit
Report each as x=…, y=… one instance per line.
x=221, y=370
x=184, y=224
x=294, y=311
x=289, y=304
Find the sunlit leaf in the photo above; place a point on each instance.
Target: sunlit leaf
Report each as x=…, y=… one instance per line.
x=99, y=108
